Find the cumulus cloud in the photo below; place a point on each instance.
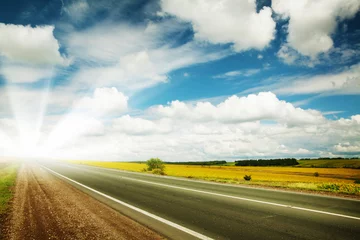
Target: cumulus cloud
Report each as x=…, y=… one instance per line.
x=347, y=148
x=185, y=138
x=140, y=126
x=30, y=45
x=104, y=101
x=311, y=23
x=228, y=21
x=264, y=106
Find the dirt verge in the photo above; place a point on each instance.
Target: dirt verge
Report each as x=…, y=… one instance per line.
x=45, y=207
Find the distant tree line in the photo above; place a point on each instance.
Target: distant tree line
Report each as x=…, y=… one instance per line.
x=268, y=162
x=206, y=163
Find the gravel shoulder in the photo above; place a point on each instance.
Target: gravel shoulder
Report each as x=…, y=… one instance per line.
x=44, y=207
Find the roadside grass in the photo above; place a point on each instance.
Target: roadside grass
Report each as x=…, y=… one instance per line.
x=336, y=180
x=8, y=172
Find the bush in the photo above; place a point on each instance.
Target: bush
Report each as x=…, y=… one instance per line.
x=316, y=174
x=155, y=163
x=357, y=181
x=158, y=171
x=247, y=177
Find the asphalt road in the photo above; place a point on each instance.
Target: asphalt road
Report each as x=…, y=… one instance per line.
x=216, y=211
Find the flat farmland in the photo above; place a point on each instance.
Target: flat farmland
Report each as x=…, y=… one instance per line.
x=336, y=180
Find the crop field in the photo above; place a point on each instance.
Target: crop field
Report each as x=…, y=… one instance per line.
x=338, y=180
x=7, y=180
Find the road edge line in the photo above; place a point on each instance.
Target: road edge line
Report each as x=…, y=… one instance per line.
x=244, y=199
x=160, y=219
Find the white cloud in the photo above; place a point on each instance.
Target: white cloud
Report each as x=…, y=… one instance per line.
x=232, y=74
x=70, y=129
x=354, y=121
x=133, y=57
x=133, y=71
x=347, y=148
x=139, y=126
x=288, y=55
x=77, y=10
x=311, y=23
x=143, y=69
x=264, y=106
x=302, y=151
x=338, y=82
x=344, y=54
x=25, y=74
x=104, y=101
x=345, y=82
x=106, y=43
x=115, y=60
x=202, y=132
x=29, y=45
x=228, y=21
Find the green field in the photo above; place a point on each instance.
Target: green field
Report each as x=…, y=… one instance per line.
x=8, y=172
x=332, y=163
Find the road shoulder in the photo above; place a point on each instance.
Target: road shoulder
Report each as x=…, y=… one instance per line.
x=45, y=207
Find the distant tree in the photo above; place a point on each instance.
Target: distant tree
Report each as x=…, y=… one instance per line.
x=155, y=163
x=316, y=174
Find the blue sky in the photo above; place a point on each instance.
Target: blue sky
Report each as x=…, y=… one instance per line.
x=180, y=80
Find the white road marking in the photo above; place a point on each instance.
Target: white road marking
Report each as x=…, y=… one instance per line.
x=172, y=224
x=244, y=199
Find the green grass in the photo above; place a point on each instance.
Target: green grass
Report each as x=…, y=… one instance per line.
x=336, y=163
x=8, y=172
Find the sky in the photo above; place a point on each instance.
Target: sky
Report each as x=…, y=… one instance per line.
x=182, y=80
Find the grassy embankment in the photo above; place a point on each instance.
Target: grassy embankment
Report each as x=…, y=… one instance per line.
x=8, y=173
x=337, y=180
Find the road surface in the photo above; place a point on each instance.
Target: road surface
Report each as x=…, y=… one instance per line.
x=45, y=207
x=185, y=209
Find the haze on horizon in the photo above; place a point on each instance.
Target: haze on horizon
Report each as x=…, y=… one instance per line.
x=182, y=80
